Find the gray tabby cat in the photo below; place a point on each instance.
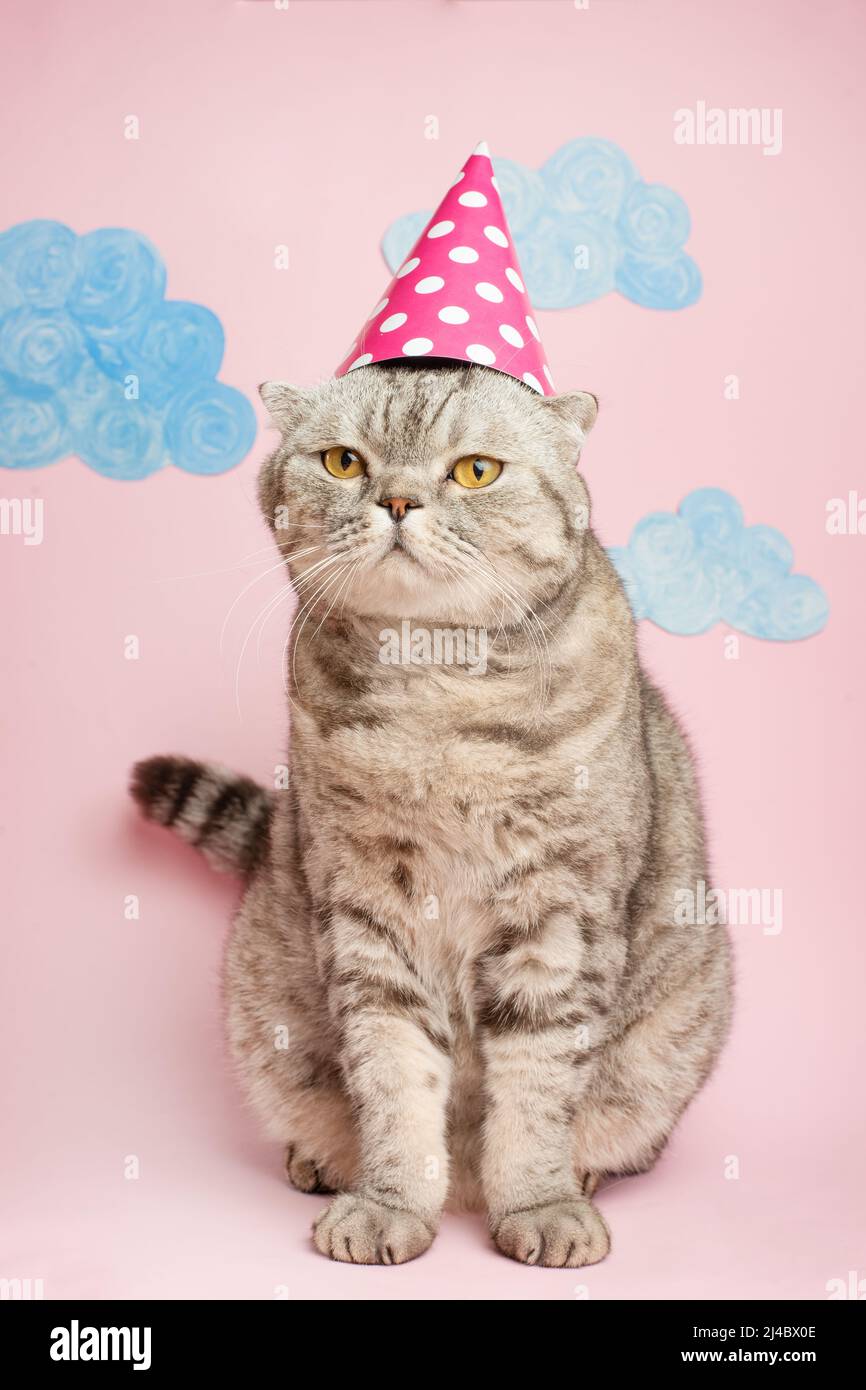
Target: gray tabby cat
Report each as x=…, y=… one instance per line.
x=462, y=909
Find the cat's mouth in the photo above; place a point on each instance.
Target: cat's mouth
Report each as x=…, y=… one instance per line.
x=400, y=557
x=399, y=550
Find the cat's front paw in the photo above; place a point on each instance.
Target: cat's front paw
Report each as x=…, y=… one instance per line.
x=306, y=1174
x=560, y=1235
x=359, y=1230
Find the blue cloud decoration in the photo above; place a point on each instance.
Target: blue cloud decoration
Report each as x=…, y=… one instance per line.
x=700, y=566
x=585, y=224
x=95, y=361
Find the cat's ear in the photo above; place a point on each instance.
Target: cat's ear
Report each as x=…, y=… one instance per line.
x=287, y=404
x=577, y=409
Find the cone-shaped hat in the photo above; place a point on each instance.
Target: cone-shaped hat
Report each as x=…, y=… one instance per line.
x=459, y=294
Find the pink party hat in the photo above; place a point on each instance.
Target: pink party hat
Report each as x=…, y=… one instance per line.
x=459, y=294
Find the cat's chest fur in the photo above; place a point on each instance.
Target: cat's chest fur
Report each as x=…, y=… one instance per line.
x=440, y=786
x=429, y=747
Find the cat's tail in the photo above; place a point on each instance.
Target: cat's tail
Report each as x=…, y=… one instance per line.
x=223, y=814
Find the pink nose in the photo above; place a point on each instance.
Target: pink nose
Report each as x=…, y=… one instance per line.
x=399, y=505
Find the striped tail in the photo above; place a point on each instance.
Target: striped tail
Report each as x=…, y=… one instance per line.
x=224, y=815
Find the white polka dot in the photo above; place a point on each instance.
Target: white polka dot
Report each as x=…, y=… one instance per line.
x=510, y=335
x=546, y=371
x=482, y=148
x=459, y=178
x=441, y=229
x=415, y=347
x=361, y=361
x=515, y=280
x=495, y=184
x=408, y=267
x=453, y=314
x=429, y=284
x=489, y=292
x=473, y=200
x=379, y=307
x=533, y=382
x=464, y=255
x=477, y=352
x=391, y=322
x=496, y=235
x=533, y=327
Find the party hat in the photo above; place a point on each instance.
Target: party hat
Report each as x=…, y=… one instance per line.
x=459, y=294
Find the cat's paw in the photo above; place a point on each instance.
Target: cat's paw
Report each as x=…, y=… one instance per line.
x=561, y=1235
x=359, y=1230
x=306, y=1174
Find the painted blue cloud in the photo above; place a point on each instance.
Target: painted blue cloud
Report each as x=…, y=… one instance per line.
x=585, y=224
x=689, y=570
x=94, y=360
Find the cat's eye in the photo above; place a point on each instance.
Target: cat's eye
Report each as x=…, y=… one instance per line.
x=343, y=463
x=475, y=471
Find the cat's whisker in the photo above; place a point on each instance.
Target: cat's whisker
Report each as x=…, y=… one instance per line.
x=248, y=561
x=464, y=577
x=348, y=570
x=275, y=603
x=271, y=570
x=294, y=637
x=451, y=567
x=348, y=590
x=525, y=616
x=254, y=557
x=482, y=556
x=313, y=572
x=321, y=589
x=263, y=616
x=238, y=664
x=456, y=577
x=284, y=663
x=292, y=590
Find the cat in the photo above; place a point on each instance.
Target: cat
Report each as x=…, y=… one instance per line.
x=455, y=975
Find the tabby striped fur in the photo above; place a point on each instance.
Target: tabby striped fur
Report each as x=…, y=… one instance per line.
x=460, y=913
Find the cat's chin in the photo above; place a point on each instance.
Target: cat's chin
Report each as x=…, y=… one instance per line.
x=400, y=586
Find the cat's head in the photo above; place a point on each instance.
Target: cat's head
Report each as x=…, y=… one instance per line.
x=427, y=492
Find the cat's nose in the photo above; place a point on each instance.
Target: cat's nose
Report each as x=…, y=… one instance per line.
x=399, y=505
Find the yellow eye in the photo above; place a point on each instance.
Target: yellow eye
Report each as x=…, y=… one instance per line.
x=473, y=471
x=343, y=463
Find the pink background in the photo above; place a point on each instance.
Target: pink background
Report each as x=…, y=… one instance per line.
x=306, y=127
